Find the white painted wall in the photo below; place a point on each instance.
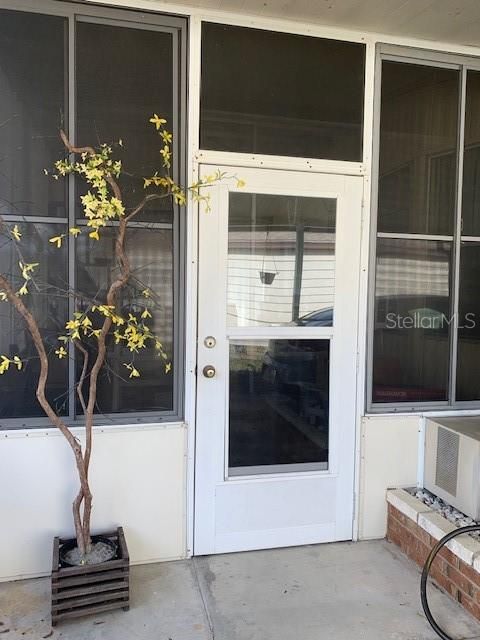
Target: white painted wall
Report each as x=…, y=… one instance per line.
x=388, y=459
x=137, y=478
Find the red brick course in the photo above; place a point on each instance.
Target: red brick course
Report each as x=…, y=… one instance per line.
x=459, y=580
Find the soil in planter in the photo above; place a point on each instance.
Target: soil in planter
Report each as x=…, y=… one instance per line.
x=100, y=552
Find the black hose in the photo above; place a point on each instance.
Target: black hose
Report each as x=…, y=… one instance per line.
x=426, y=569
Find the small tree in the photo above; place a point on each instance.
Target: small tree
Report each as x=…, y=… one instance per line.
x=99, y=318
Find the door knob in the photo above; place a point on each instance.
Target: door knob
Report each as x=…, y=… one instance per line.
x=209, y=371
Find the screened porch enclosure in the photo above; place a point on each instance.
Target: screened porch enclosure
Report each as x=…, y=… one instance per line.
x=326, y=303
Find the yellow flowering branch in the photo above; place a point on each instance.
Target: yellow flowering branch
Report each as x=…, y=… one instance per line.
x=102, y=207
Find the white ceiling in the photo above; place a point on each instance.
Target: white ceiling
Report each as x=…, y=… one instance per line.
x=450, y=21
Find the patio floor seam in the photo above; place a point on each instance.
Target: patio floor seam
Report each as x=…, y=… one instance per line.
x=206, y=612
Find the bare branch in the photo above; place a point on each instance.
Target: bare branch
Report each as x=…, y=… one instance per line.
x=32, y=326
x=79, y=385
x=91, y=151
x=145, y=201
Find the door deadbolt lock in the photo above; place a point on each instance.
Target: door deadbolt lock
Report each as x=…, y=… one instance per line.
x=209, y=371
x=209, y=342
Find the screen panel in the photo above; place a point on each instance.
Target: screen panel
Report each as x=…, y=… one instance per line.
x=281, y=94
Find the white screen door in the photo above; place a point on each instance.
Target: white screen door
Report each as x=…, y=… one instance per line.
x=277, y=330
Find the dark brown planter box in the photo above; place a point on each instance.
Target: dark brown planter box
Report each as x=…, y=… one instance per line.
x=81, y=591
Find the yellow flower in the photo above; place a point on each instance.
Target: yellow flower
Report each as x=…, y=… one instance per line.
x=86, y=323
x=4, y=364
x=104, y=308
x=94, y=235
x=3, y=296
x=166, y=136
x=157, y=121
x=134, y=373
x=16, y=233
x=23, y=290
x=240, y=183
x=146, y=314
x=27, y=269
x=180, y=198
x=165, y=153
x=61, y=352
x=75, y=231
x=73, y=326
x=168, y=367
x=57, y=240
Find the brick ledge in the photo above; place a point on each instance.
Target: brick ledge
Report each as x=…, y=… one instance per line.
x=464, y=547
x=415, y=528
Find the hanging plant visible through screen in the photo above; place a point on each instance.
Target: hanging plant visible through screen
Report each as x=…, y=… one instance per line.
x=267, y=277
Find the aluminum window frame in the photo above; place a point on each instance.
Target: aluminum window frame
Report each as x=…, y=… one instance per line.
x=463, y=64
x=177, y=26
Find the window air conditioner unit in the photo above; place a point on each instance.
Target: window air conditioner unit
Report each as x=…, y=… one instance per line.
x=452, y=462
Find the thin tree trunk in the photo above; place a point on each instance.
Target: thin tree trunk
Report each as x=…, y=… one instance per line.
x=76, y=447
x=111, y=298
x=82, y=522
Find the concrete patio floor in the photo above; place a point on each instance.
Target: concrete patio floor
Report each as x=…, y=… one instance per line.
x=344, y=591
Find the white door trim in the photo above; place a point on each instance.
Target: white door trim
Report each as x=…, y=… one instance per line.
x=212, y=276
